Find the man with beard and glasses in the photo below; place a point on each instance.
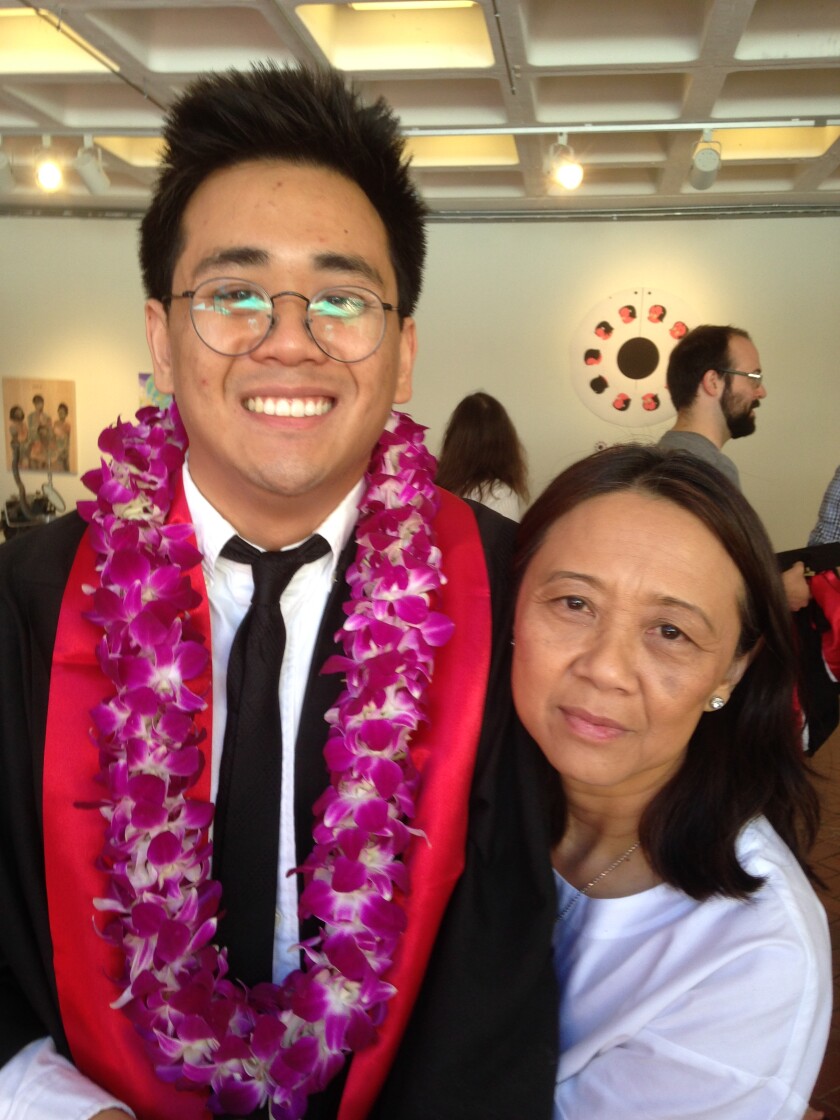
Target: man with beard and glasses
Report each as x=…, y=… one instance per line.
x=715, y=381
x=714, y=378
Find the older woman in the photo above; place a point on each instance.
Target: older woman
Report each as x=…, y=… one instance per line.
x=653, y=665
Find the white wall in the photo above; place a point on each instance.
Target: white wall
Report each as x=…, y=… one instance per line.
x=71, y=308
x=500, y=305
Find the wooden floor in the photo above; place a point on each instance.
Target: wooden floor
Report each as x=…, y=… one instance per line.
x=826, y=859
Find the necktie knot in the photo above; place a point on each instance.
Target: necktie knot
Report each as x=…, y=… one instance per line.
x=273, y=571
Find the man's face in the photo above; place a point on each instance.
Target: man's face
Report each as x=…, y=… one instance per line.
x=742, y=396
x=287, y=228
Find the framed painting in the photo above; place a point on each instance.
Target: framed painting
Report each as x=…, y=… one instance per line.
x=40, y=424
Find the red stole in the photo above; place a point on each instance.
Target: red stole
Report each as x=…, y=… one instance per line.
x=103, y=1043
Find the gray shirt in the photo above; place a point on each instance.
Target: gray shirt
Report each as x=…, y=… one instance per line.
x=703, y=448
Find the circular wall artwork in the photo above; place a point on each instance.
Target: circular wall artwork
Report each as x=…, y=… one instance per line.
x=619, y=355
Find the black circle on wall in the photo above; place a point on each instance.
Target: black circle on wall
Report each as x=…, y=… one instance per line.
x=638, y=358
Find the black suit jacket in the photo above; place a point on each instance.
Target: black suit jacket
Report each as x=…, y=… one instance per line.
x=481, y=1042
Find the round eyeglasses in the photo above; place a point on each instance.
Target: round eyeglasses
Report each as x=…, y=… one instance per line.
x=234, y=317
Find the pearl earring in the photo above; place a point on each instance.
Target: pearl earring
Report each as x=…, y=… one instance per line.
x=716, y=703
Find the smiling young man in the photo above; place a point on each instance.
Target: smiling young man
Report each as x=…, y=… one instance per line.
x=304, y=229
x=282, y=256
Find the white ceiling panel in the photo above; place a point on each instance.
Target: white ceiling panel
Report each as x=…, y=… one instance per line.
x=484, y=92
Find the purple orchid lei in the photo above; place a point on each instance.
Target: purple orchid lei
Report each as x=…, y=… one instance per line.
x=275, y=1043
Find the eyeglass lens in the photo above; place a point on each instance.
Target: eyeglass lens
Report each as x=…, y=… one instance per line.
x=233, y=317
x=756, y=378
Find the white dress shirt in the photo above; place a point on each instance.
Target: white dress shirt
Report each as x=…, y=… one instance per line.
x=230, y=586
x=39, y=1084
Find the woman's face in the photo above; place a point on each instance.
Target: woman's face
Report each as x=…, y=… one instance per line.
x=626, y=625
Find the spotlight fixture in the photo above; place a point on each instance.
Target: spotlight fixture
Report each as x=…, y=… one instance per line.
x=562, y=167
x=705, y=162
x=48, y=172
x=88, y=164
x=7, y=179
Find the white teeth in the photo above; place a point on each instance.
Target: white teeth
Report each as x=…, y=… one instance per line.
x=289, y=406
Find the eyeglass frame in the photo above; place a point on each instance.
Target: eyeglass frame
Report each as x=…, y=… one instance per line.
x=754, y=376
x=167, y=301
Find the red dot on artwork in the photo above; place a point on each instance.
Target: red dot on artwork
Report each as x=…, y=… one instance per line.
x=679, y=330
x=621, y=402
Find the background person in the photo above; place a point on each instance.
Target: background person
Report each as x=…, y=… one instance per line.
x=819, y=628
x=61, y=434
x=716, y=385
x=827, y=528
x=653, y=665
x=37, y=418
x=40, y=446
x=715, y=381
x=19, y=433
x=282, y=257
x=482, y=457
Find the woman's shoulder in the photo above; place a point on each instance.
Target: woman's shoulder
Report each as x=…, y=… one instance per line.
x=786, y=888
x=500, y=497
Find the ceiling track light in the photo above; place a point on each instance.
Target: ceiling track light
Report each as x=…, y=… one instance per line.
x=705, y=162
x=7, y=179
x=88, y=165
x=562, y=167
x=48, y=171
x=408, y=5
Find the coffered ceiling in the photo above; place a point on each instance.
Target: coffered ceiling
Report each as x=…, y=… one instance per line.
x=484, y=91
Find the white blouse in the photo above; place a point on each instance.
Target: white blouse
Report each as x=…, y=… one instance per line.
x=673, y=1009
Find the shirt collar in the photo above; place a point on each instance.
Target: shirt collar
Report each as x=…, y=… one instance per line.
x=213, y=531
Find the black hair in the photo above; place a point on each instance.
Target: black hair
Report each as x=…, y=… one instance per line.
x=704, y=348
x=746, y=760
x=299, y=114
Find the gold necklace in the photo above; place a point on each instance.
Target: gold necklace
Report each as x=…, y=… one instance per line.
x=585, y=890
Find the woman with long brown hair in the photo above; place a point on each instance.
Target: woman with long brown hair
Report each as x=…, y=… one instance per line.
x=482, y=457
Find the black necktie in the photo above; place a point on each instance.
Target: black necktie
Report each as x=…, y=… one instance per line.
x=247, y=820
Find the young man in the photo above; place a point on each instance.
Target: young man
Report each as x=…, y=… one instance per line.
x=282, y=256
